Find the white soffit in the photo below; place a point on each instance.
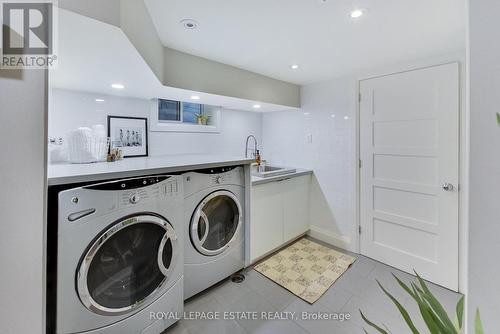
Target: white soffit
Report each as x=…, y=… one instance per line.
x=93, y=55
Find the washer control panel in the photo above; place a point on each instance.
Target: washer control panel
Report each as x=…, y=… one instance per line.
x=141, y=189
x=136, y=196
x=164, y=189
x=101, y=198
x=128, y=184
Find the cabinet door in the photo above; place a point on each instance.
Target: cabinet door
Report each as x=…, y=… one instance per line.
x=266, y=228
x=296, y=206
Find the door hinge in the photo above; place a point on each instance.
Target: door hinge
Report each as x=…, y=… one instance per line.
x=359, y=97
x=359, y=229
x=360, y=164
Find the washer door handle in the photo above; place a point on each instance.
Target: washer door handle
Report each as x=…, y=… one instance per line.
x=169, y=235
x=207, y=226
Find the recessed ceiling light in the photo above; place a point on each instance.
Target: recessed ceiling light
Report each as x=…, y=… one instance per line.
x=307, y=113
x=99, y=100
x=357, y=13
x=294, y=67
x=189, y=23
x=195, y=97
x=117, y=86
x=346, y=117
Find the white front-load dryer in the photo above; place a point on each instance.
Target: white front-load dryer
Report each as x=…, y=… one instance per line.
x=120, y=256
x=214, y=226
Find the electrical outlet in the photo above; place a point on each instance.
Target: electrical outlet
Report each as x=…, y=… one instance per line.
x=55, y=141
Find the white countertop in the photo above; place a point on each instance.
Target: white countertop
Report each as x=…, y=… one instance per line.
x=73, y=173
x=260, y=180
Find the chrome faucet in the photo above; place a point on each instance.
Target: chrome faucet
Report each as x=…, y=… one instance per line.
x=255, y=146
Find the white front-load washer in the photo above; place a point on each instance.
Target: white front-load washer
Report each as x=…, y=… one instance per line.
x=120, y=256
x=214, y=226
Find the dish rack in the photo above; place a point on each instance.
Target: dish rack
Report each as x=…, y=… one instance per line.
x=87, y=149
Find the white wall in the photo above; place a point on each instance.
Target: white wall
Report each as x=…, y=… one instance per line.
x=484, y=212
x=71, y=109
x=23, y=111
x=329, y=112
x=328, y=115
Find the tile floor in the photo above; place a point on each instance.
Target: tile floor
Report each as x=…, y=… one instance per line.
x=356, y=289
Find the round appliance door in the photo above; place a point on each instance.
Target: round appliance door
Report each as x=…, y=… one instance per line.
x=215, y=222
x=126, y=267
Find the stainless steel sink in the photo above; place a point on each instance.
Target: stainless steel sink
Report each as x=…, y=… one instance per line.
x=270, y=171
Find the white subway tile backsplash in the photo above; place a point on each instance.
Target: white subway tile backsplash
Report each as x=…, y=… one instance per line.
x=331, y=153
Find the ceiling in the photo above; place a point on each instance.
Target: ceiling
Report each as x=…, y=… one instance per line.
x=267, y=36
x=93, y=55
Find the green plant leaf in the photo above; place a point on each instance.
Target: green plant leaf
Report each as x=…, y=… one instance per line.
x=435, y=305
x=425, y=311
x=433, y=323
x=401, y=309
x=477, y=324
x=429, y=320
x=460, y=312
x=440, y=316
x=404, y=286
x=498, y=119
x=371, y=324
x=430, y=312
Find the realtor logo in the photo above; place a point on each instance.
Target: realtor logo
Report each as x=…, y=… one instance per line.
x=28, y=34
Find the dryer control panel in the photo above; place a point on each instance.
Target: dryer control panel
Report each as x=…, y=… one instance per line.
x=212, y=177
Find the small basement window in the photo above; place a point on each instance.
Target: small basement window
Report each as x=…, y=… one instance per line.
x=169, y=111
x=176, y=116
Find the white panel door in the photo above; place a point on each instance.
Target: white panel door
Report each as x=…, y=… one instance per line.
x=409, y=146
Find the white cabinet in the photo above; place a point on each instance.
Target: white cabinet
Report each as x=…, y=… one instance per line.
x=295, y=206
x=266, y=230
x=279, y=213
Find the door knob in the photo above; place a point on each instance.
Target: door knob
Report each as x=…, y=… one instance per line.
x=448, y=186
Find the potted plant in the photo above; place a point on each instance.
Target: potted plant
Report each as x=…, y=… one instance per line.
x=435, y=317
x=201, y=119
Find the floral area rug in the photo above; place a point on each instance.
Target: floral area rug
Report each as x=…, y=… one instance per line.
x=306, y=268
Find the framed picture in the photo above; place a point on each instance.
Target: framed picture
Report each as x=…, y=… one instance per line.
x=129, y=133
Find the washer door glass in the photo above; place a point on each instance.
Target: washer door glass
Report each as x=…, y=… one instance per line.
x=126, y=265
x=215, y=222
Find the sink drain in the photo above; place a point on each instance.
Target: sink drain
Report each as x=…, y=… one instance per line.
x=237, y=278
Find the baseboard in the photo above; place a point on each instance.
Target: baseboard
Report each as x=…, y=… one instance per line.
x=331, y=238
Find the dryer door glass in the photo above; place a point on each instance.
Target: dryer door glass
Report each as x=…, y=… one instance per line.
x=127, y=267
x=215, y=223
